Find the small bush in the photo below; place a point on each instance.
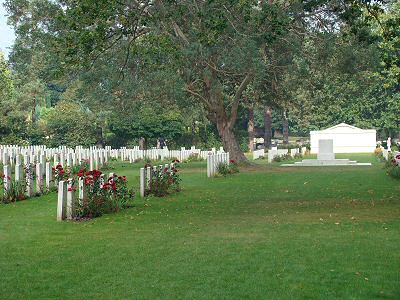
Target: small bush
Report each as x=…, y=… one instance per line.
x=288, y=146
x=164, y=181
x=225, y=169
x=279, y=158
x=15, y=191
x=102, y=195
x=298, y=156
x=377, y=151
x=394, y=171
x=194, y=157
x=392, y=166
x=233, y=166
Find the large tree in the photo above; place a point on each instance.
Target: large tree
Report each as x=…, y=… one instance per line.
x=218, y=45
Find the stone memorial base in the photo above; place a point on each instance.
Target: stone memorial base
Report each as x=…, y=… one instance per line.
x=326, y=157
x=323, y=163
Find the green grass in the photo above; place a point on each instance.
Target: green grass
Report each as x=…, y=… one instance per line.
x=266, y=233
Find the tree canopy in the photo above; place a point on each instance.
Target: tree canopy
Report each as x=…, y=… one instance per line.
x=176, y=69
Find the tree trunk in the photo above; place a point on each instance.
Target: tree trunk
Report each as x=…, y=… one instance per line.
x=142, y=143
x=99, y=137
x=285, y=130
x=268, y=127
x=230, y=144
x=34, y=109
x=250, y=129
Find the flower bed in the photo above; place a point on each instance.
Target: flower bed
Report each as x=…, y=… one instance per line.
x=160, y=180
x=224, y=169
x=393, y=166
x=97, y=194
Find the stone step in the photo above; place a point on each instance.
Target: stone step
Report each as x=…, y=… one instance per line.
x=333, y=162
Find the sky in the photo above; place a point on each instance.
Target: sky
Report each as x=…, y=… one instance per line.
x=6, y=32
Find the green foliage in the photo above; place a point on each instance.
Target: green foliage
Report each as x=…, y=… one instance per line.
x=391, y=165
x=194, y=158
x=279, y=158
x=6, y=82
x=15, y=191
x=103, y=195
x=68, y=125
x=150, y=122
x=173, y=70
x=224, y=169
x=164, y=181
x=394, y=171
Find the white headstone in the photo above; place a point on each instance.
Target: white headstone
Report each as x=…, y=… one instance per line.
x=70, y=200
x=62, y=200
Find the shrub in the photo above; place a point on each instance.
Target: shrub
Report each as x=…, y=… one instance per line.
x=225, y=169
x=60, y=174
x=288, y=146
x=394, y=171
x=377, y=151
x=233, y=166
x=15, y=191
x=298, y=156
x=194, y=157
x=279, y=158
x=392, y=166
x=101, y=196
x=84, y=164
x=164, y=180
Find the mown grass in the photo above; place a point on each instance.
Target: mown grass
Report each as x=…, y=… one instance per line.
x=266, y=233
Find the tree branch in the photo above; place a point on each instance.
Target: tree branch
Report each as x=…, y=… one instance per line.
x=237, y=98
x=204, y=100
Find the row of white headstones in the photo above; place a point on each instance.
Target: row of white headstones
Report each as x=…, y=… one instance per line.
x=148, y=174
x=11, y=154
x=37, y=160
x=66, y=196
x=213, y=160
x=277, y=152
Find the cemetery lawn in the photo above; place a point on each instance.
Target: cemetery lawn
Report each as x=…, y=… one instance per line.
x=266, y=233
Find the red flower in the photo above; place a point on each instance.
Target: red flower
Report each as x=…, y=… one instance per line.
x=232, y=161
x=71, y=189
x=124, y=178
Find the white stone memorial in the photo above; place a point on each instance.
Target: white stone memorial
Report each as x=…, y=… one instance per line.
x=325, y=150
x=346, y=139
x=325, y=157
